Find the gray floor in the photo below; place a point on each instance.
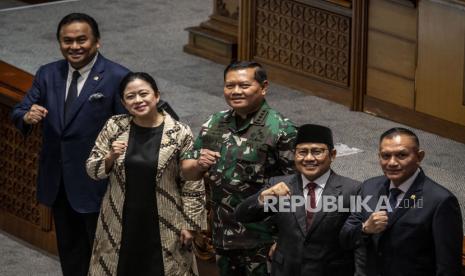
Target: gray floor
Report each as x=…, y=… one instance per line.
x=9, y=5
x=5, y=4
x=148, y=36
x=17, y=258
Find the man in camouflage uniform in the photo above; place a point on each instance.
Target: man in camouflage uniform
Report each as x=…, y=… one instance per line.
x=238, y=150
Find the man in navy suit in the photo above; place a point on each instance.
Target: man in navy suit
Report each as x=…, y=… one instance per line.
x=308, y=241
x=72, y=98
x=421, y=233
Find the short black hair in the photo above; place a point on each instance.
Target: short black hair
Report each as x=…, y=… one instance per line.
x=79, y=17
x=390, y=133
x=260, y=73
x=131, y=76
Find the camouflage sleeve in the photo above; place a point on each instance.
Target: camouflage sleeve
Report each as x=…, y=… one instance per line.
x=192, y=195
x=286, y=147
x=194, y=152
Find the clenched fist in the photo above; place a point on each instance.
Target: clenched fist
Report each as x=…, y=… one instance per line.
x=117, y=148
x=207, y=158
x=35, y=114
x=376, y=223
x=186, y=238
x=277, y=190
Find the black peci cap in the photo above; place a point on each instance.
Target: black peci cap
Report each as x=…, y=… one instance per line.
x=310, y=133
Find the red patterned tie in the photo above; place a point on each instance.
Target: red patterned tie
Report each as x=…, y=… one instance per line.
x=312, y=198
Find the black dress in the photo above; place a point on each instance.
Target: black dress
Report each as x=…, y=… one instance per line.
x=140, y=252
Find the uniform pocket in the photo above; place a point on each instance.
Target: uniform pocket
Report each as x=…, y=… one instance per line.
x=250, y=171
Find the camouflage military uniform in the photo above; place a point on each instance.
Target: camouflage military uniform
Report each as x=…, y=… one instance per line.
x=260, y=148
x=250, y=262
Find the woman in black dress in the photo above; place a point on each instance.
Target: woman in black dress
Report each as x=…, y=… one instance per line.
x=148, y=211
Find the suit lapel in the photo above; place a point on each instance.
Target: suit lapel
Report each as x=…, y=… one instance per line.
x=382, y=191
x=60, y=91
x=417, y=190
x=95, y=77
x=300, y=212
x=332, y=188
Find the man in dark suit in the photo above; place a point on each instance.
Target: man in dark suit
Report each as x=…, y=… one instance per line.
x=307, y=241
x=72, y=98
x=421, y=233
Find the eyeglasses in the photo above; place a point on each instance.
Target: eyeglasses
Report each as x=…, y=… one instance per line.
x=315, y=152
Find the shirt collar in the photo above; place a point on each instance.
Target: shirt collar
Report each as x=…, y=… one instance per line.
x=85, y=69
x=256, y=117
x=407, y=183
x=320, y=181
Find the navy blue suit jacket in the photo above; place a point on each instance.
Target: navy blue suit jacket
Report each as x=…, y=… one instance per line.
x=422, y=239
x=66, y=145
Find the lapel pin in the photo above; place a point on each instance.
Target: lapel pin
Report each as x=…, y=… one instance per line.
x=413, y=197
x=96, y=78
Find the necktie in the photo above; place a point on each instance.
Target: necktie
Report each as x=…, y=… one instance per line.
x=393, y=194
x=312, y=198
x=72, y=94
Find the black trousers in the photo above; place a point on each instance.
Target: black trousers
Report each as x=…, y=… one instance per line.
x=75, y=235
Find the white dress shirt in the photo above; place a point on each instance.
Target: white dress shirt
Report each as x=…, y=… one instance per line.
x=84, y=72
x=320, y=185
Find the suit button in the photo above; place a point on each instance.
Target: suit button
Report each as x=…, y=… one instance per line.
x=380, y=254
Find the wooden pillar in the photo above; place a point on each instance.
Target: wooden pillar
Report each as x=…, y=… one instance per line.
x=359, y=52
x=246, y=29
x=216, y=38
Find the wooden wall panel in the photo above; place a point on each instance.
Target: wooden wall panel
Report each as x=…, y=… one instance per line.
x=18, y=161
x=391, y=54
x=440, y=76
x=304, y=39
x=414, y=118
x=382, y=13
x=20, y=213
x=390, y=88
